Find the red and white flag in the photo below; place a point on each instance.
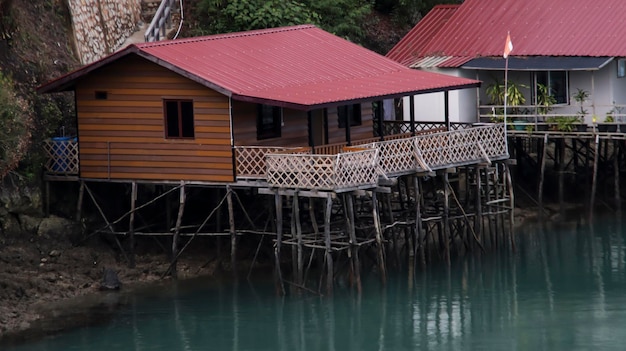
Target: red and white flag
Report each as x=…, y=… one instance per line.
x=508, y=46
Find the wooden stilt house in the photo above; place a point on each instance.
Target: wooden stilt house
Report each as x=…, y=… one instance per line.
x=210, y=109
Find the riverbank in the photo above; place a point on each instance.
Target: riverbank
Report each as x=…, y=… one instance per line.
x=40, y=273
x=43, y=277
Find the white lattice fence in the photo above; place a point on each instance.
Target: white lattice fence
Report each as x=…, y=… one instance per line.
x=251, y=159
x=396, y=156
x=322, y=172
x=462, y=146
x=62, y=156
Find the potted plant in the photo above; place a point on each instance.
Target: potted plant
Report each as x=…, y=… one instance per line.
x=544, y=105
x=608, y=125
x=581, y=96
x=514, y=99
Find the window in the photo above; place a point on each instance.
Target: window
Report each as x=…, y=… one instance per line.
x=351, y=113
x=178, y=118
x=557, y=83
x=621, y=68
x=268, y=122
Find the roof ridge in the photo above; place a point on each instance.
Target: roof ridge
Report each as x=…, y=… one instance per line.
x=226, y=36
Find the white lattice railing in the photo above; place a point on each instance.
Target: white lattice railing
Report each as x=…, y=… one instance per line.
x=351, y=169
x=359, y=166
x=250, y=160
x=463, y=146
x=62, y=156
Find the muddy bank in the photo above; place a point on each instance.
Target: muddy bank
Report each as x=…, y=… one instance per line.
x=40, y=273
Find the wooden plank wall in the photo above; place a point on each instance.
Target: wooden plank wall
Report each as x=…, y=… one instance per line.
x=364, y=131
x=123, y=136
x=295, y=129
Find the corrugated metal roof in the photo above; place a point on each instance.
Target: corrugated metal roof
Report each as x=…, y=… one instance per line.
x=301, y=67
x=412, y=45
x=479, y=28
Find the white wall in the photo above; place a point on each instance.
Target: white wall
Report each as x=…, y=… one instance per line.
x=431, y=108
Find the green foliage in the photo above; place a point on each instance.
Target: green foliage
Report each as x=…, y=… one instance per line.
x=514, y=96
x=16, y=122
x=409, y=12
x=581, y=96
x=344, y=18
x=563, y=123
x=225, y=16
x=544, y=99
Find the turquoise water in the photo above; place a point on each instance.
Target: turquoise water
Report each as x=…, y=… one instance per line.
x=563, y=289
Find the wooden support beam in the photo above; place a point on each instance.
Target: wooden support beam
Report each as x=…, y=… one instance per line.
x=446, y=220
x=278, y=201
x=617, y=191
x=420, y=239
x=327, y=242
x=176, y=236
x=298, y=232
x=542, y=171
x=511, y=194
x=131, y=225
x=594, y=177
x=232, y=231
x=379, y=238
x=354, y=249
x=79, y=203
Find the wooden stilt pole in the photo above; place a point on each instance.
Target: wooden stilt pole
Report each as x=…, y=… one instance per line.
x=131, y=225
x=542, y=171
x=420, y=239
x=300, y=257
x=379, y=238
x=446, y=216
x=106, y=220
x=79, y=203
x=175, y=237
x=509, y=182
x=233, y=232
x=354, y=247
x=329, y=257
x=478, y=219
x=561, y=160
x=616, y=191
x=278, y=201
x=594, y=178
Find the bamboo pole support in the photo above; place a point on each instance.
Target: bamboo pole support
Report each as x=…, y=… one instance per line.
x=354, y=248
x=594, y=177
x=232, y=231
x=509, y=182
x=420, y=240
x=561, y=170
x=329, y=257
x=79, y=203
x=278, y=201
x=300, y=256
x=542, y=171
x=446, y=217
x=616, y=191
x=176, y=236
x=108, y=223
x=131, y=225
x=379, y=239
x=478, y=219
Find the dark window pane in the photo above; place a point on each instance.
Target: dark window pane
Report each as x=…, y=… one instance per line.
x=187, y=119
x=268, y=122
x=351, y=113
x=171, y=115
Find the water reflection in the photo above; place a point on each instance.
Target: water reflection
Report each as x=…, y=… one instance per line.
x=564, y=289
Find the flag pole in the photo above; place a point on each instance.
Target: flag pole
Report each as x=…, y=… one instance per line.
x=508, y=47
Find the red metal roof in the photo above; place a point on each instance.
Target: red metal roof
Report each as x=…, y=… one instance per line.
x=538, y=28
x=412, y=45
x=301, y=67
